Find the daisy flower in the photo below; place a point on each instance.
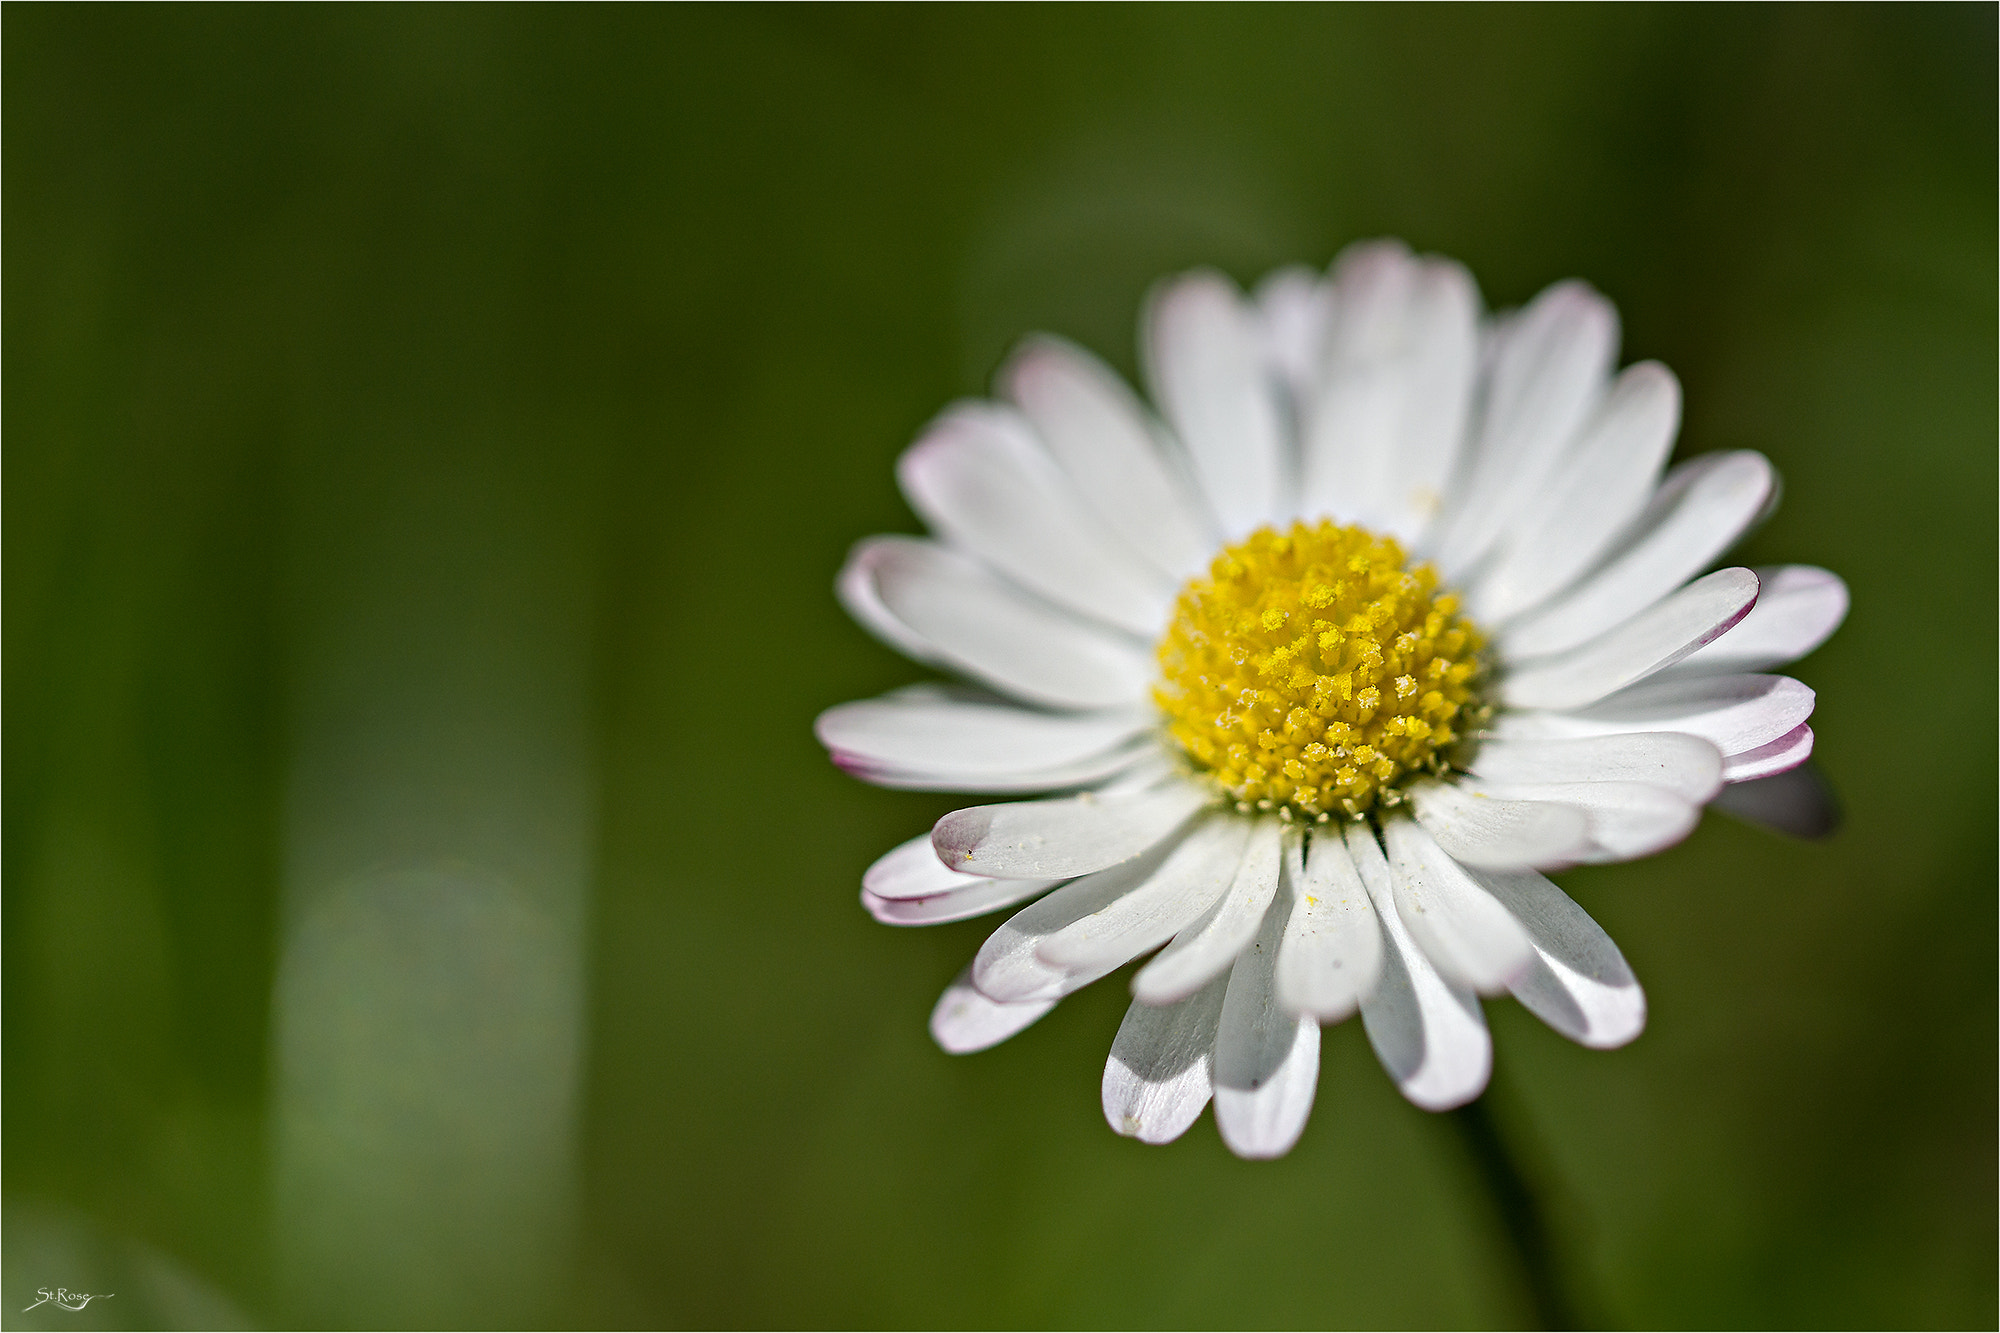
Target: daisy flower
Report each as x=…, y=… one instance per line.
x=1310, y=670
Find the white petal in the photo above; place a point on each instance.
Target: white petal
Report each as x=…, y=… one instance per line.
x=1772, y=758
x=1293, y=306
x=1627, y=819
x=1798, y=608
x=1797, y=802
x=980, y=479
x=1437, y=414
x=1204, y=949
x=1701, y=509
x=961, y=904
x=855, y=587
x=1735, y=713
x=1550, y=363
x=1263, y=1120
x=1351, y=439
x=965, y=1021
x=1427, y=1031
x=1157, y=1079
x=1687, y=766
x=1186, y=885
x=1056, y=777
x=1481, y=830
x=1658, y=637
x=1063, y=836
x=1580, y=984
x=1009, y=967
x=927, y=727
x=1383, y=437
x=1010, y=640
x=912, y=870
x=1462, y=928
x=1266, y=1058
x=1157, y=767
x=1100, y=434
x=1332, y=949
x=1205, y=362
x=1599, y=488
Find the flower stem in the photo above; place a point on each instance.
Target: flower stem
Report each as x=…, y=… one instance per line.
x=1522, y=1218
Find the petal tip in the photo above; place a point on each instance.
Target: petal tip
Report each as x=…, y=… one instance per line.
x=957, y=837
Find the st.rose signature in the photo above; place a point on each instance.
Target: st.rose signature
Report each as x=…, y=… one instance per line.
x=67, y=1299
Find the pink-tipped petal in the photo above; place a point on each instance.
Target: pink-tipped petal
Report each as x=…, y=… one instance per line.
x=1799, y=608
x=1771, y=758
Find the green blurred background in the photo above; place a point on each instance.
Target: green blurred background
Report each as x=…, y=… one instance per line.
x=431, y=435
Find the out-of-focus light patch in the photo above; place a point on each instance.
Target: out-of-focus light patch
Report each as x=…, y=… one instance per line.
x=425, y=1094
x=439, y=822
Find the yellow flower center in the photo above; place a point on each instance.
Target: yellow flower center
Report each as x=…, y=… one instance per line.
x=1312, y=671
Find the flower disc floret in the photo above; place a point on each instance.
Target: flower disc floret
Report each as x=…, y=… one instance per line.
x=1314, y=670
